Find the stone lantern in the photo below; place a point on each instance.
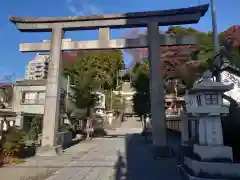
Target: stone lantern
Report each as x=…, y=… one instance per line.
x=204, y=101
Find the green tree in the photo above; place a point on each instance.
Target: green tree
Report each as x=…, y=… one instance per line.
x=93, y=71
x=203, y=54
x=13, y=142
x=141, y=99
x=35, y=127
x=204, y=49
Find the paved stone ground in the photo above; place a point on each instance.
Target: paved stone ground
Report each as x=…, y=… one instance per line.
x=119, y=156
x=38, y=168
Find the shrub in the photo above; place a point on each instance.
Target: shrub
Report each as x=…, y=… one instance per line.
x=36, y=128
x=13, y=142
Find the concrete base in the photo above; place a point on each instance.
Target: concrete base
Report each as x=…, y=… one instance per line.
x=162, y=152
x=49, y=151
x=187, y=176
x=211, y=170
x=207, y=153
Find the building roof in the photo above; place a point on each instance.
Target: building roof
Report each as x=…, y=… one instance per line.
x=29, y=82
x=7, y=113
x=232, y=69
x=6, y=85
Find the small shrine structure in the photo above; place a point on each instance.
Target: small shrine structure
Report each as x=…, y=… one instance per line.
x=204, y=154
x=204, y=101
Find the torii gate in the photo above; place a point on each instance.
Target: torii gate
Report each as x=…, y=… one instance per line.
x=153, y=40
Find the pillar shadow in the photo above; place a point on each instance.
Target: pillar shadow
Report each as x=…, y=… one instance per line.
x=138, y=163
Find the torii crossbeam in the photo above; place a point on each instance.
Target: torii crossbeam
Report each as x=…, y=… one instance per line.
x=152, y=20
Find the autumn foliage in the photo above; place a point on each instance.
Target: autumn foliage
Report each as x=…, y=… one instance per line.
x=180, y=61
x=186, y=62
x=171, y=56
x=232, y=35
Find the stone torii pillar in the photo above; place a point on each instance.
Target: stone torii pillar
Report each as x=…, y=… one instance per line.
x=53, y=90
x=156, y=87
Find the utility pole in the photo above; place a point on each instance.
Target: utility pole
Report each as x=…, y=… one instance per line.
x=216, y=44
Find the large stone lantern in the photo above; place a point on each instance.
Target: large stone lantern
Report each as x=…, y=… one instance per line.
x=204, y=101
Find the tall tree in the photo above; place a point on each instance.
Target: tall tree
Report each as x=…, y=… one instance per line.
x=92, y=71
x=141, y=99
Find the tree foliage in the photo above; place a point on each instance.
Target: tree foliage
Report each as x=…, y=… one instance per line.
x=92, y=71
x=185, y=63
x=35, y=127
x=230, y=39
x=13, y=142
x=188, y=62
x=141, y=99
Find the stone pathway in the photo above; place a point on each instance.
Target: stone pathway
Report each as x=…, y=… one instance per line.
x=118, y=156
x=121, y=156
x=99, y=163
x=38, y=168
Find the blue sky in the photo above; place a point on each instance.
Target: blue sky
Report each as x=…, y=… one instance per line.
x=12, y=60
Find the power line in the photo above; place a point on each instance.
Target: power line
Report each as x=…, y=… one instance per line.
x=7, y=77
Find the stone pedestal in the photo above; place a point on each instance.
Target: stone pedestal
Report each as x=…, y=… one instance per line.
x=211, y=140
x=49, y=151
x=207, y=153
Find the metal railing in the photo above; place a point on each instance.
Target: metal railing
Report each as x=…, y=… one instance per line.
x=173, y=124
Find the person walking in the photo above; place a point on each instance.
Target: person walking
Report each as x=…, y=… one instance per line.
x=89, y=129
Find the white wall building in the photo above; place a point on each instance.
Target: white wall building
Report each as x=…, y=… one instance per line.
x=230, y=75
x=38, y=67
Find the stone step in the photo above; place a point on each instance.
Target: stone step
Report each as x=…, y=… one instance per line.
x=187, y=174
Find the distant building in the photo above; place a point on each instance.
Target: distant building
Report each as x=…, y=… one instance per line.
x=21, y=102
x=6, y=113
x=29, y=100
x=6, y=92
x=38, y=67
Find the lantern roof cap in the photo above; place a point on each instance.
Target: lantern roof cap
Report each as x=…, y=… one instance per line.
x=208, y=85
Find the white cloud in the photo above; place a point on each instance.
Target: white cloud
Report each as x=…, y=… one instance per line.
x=83, y=7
